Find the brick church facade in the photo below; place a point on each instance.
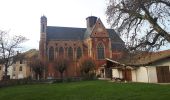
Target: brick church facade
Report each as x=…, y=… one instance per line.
x=94, y=41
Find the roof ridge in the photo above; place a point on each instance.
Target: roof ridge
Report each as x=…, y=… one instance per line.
x=66, y=27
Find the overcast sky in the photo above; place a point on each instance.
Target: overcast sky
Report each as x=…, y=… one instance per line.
x=23, y=16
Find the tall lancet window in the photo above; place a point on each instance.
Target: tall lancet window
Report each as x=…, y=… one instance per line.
x=61, y=52
x=79, y=53
x=70, y=53
x=100, y=51
x=51, y=54
x=56, y=52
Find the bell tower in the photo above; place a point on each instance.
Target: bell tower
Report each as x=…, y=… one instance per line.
x=42, y=44
x=43, y=26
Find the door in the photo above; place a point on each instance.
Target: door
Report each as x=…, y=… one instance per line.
x=163, y=74
x=108, y=72
x=127, y=74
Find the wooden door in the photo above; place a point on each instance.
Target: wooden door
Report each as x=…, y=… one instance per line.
x=108, y=72
x=163, y=74
x=127, y=74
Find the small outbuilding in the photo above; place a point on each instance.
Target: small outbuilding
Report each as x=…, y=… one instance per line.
x=149, y=67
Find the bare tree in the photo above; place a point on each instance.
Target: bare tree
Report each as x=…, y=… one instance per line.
x=8, y=49
x=61, y=64
x=38, y=66
x=144, y=23
x=87, y=64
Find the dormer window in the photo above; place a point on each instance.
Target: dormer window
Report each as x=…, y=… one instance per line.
x=21, y=61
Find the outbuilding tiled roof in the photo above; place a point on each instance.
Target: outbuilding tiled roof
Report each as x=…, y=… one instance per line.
x=137, y=60
x=146, y=58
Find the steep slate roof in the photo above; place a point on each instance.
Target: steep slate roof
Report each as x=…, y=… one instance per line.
x=70, y=33
x=114, y=36
x=65, y=33
x=116, y=42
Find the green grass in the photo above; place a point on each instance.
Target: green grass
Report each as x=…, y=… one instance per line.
x=87, y=90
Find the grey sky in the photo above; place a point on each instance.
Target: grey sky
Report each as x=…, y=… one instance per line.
x=23, y=16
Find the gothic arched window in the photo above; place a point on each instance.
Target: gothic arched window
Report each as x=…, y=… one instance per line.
x=100, y=51
x=56, y=52
x=51, y=54
x=61, y=51
x=79, y=53
x=70, y=53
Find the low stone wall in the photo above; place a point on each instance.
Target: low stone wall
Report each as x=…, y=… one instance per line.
x=13, y=82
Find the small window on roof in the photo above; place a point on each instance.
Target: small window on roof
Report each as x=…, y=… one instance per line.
x=21, y=61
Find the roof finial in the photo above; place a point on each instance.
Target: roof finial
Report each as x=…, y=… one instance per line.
x=91, y=14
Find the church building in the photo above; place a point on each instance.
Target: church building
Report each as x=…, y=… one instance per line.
x=94, y=41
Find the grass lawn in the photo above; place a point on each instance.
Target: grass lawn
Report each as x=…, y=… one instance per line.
x=87, y=90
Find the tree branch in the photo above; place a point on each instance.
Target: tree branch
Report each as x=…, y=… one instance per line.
x=147, y=42
x=157, y=28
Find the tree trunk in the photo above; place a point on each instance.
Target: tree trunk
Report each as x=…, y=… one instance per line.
x=5, y=77
x=38, y=76
x=44, y=75
x=125, y=75
x=61, y=76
